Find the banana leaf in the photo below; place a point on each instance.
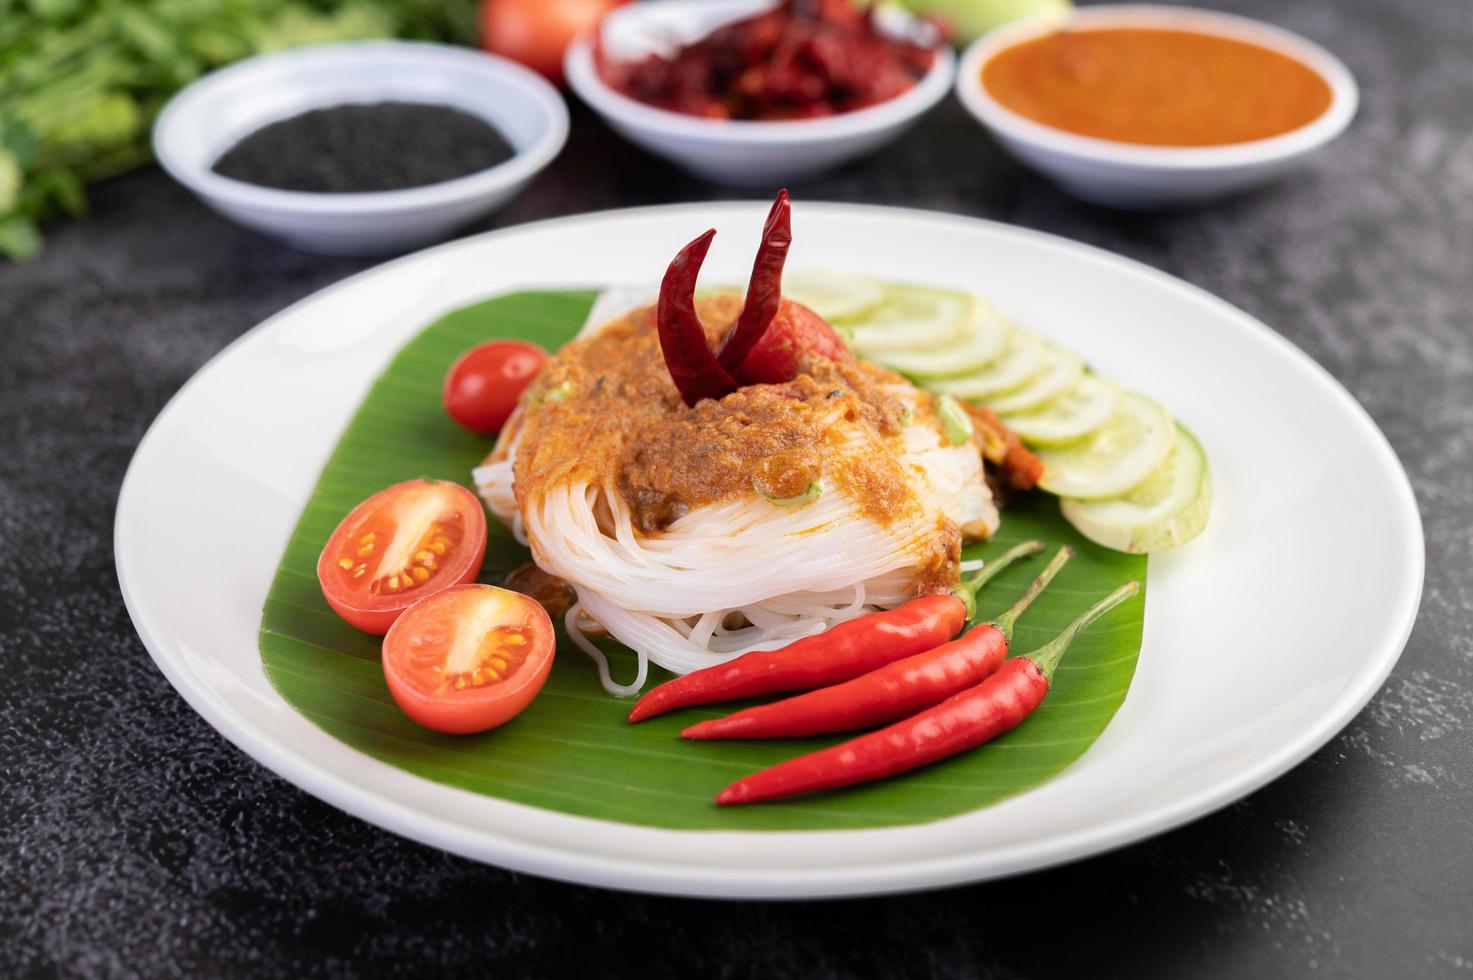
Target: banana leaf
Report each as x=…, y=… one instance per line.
x=571, y=750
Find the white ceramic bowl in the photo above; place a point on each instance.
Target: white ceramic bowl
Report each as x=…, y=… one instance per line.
x=736, y=152
x=211, y=115
x=1129, y=175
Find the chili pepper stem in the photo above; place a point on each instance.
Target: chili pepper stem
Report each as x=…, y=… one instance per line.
x=1047, y=657
x=967, y=591
x=1007, y=620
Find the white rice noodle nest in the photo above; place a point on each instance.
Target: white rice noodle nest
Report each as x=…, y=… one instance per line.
x=731, y=577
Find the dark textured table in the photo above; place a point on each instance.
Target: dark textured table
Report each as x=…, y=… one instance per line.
x=135, y=841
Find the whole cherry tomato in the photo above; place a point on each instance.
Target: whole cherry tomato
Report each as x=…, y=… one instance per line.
x=537, y=32
x=483, y=385
x=794, y=331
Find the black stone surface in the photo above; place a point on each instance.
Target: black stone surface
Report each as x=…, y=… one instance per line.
x=134, y=841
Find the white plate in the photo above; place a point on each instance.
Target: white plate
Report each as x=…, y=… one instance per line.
x=1263, y=637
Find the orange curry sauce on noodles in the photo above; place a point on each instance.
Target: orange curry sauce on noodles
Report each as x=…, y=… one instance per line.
x=1156, y=87
x=604, y=411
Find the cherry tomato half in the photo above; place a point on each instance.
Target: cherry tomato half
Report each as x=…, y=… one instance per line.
x=469, y=658
x=483, y=385
x=399, y=545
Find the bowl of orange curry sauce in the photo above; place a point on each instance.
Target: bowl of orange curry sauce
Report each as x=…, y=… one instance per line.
x=1137, y=106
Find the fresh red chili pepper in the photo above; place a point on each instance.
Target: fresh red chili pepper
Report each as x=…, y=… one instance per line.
x=764, y=291
x=695, y=370
x=841, y=653
x=896, y=690
x=963, y=721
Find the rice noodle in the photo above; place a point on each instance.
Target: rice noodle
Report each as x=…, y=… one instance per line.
x=738, y=575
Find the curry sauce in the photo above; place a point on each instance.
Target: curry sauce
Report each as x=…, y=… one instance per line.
x=604, y=411
x=1156, y=87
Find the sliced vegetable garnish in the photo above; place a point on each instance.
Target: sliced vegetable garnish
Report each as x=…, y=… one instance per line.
x=835, y=296
x=811, y=493
x=1019, y=364
x=912, y=317
x=1116, y=458
x=1170, y=508
x=561, y=391
x=399, y=545
x=786, y=481
x=954, y=420
x=1061, y=372
x=469, y=658
x=1073, y=415
x=986, y=339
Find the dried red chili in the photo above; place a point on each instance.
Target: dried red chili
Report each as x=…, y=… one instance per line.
x=800, y=60
x=771, y=336
x=693, y=367
x=764, y=291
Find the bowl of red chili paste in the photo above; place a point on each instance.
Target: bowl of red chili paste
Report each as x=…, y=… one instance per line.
x=754, y=93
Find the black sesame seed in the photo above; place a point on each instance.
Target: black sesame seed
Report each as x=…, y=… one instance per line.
x=356, y=148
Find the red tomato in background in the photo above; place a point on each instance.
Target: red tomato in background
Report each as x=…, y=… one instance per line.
x=483, y=385
x=468, y=659
x=793, y=330
x=398, y=546
x=537, y=32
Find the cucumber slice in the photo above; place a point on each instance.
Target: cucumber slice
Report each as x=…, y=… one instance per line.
x=986, y=339
x=835, y=296
x=1073, y=415
x=1170, y=508
x=1017, y=366
x=1116, y=458
x=912, y=317
x=1061, y=371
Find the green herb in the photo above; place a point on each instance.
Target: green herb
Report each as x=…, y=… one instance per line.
x=81, y=80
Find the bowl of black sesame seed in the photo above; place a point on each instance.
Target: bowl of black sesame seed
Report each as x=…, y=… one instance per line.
x=361, y=148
